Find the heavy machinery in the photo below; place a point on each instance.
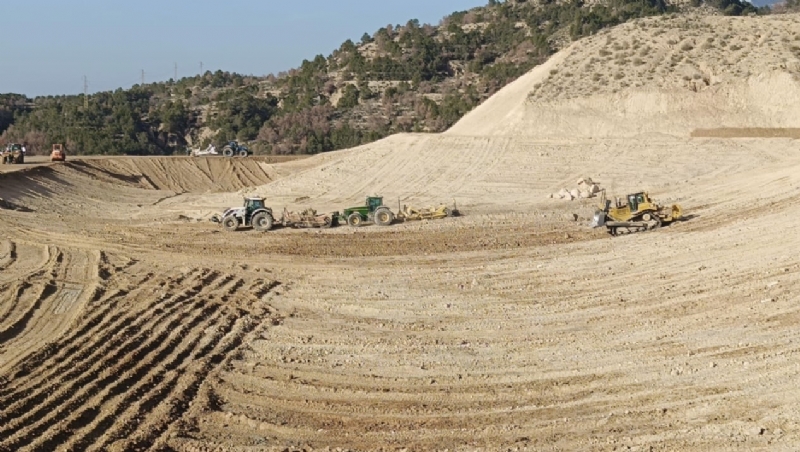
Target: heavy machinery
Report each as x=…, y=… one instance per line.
x=308, y=218
x=12, y=155
x=210, y=150
x=407, y=213
x=373, y=210
x=635, y=213
x=234, y=148
x=253, y=214
x=58, y=154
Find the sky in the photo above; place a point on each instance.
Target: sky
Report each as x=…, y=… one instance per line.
x=48, y=46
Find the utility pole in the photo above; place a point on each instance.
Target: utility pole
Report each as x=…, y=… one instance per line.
x=175, y=79
x=85, y=93
x=201, y=68
x=142, y=77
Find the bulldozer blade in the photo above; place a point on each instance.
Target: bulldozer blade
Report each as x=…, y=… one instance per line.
x=598, y=220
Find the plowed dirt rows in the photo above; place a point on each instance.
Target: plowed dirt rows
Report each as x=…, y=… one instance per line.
x=115, y=364
x=522, y=329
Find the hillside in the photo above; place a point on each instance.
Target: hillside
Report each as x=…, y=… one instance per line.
x=404, y=78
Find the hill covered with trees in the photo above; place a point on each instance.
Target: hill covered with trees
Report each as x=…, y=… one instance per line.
x=402, y=78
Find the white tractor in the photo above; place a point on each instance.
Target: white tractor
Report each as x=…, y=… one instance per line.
x=254, y=213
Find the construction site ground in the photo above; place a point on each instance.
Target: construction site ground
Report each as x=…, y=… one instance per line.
x=130, y=322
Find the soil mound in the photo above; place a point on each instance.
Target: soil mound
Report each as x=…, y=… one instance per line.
x=668, y=75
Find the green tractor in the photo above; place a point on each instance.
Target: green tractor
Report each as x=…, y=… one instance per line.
x=372, y=210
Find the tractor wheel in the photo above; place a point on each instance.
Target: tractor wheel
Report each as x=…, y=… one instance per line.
x=227, y=151
x=262, y=222
x=383, y=217
x=243, y=153
x=230, y=223
x=355, y=220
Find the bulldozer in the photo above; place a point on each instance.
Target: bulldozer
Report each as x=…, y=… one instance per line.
x=12, y=155
x=637, y=212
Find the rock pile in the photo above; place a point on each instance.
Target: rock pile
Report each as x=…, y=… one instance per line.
x=586, y=188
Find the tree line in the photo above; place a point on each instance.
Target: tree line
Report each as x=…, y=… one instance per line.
x=402, y=78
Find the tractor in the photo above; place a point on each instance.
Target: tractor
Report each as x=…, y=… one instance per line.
x=636, y=213
x=233, y=148
x=372, y=210
x=12, y=155
x=253, y=214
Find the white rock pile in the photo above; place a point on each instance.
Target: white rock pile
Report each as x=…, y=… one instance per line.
x=586, y=188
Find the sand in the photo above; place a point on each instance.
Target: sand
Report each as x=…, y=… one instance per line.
x=129, y=322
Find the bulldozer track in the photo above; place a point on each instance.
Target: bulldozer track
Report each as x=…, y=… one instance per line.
x=143, y=363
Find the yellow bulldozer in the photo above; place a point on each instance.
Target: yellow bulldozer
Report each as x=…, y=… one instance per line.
x=12, y=155
x=637, y=212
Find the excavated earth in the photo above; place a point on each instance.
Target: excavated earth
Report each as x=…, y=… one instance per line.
x=130, y=322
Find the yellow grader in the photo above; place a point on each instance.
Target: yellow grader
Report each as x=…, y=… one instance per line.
x=634, y=213
x=308, y=218
x=407, y=213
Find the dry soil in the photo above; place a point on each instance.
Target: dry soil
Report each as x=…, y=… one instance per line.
x=130, y=322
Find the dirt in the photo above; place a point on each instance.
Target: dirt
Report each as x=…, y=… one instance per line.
x=130, y=322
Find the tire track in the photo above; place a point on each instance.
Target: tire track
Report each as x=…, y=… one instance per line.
x=14, y=290
x=72, y=282
x=161, y=355
x=8, y=253
x=111, y=343
x=129, y=381
x=54, y=360
x=221, y=352
x=130, y=354
x=25, y=264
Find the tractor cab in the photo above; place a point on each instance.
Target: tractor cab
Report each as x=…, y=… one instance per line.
x=252, y=204
x=373, y=202
x=634, y=200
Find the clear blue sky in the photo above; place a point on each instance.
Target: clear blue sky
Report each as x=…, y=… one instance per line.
x=47, y=46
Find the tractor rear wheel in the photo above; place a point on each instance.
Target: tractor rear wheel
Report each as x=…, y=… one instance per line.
x=355, y=220
x=262, y=222
x=230, y=223
x=383, y=217
x=227, y=151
